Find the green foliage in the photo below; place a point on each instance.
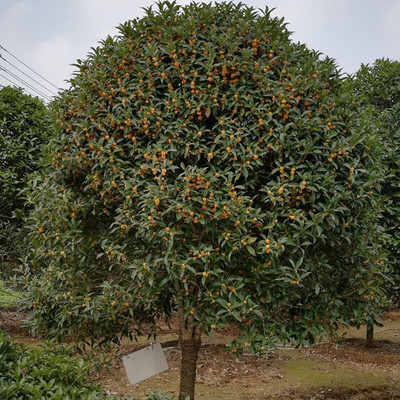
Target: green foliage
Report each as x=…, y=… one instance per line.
x=206, y=163
x=48, y=373
x=378, y=86
x=23, y=131
x=44, y=373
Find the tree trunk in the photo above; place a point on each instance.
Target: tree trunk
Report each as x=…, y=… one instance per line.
x=189, y=342
x=369, y=339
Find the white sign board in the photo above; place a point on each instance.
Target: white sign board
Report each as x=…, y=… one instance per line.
x=145, y=363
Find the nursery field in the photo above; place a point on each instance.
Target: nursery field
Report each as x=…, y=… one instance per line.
x=326, y=371
x=203, y=165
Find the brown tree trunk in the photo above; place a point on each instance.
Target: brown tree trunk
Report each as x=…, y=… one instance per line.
x=189, y=342
x=369, y=339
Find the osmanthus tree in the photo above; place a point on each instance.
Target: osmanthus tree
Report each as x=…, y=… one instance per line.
x=378, y=88
x=205, y=166
x=24, y=128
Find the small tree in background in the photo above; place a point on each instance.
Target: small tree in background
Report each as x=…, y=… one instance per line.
x=378, y=87
x=206, y=166
x=24, y=128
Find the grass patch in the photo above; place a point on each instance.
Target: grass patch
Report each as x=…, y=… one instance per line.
x=8, y=297
x=308, y=372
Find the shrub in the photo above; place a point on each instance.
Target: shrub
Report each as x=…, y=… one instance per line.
x=49, y=373
x=46, y=372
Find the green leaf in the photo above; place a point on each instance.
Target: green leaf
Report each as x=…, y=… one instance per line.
x=251, y=250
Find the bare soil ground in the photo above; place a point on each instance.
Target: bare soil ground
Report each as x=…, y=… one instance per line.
x=327, y=371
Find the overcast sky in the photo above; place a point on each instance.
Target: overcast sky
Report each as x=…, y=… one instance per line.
x=50, y=35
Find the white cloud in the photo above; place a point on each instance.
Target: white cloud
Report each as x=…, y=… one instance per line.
x=390, y=28
x=12, y=21
x=18, y=10
x=390, y=19
x=53, y=59
x=98, y=18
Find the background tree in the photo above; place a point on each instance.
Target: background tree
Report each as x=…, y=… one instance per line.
x=378, y=86
x=24, y=128
x=207, y=166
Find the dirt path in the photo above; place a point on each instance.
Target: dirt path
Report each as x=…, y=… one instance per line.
x=327, y=371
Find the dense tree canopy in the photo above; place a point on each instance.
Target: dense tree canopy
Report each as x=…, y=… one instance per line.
x=378, y=86
x=23, y=130
x=206, y=164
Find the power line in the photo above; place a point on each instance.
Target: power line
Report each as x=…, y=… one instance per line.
x=23, y=88
x=15, y=84
x=25, y=83
x=12, y=55
x=22, y=72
